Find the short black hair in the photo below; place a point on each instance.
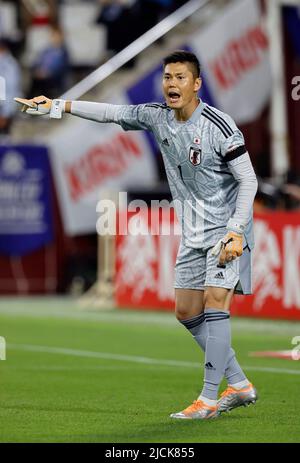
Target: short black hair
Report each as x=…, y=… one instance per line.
x=182, y=56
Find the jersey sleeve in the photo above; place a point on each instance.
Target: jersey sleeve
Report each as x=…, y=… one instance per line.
x=229, y=143
x=228, y=139
x=129, y=117
x=137, y=117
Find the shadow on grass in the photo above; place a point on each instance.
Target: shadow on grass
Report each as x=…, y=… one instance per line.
x=223, y=429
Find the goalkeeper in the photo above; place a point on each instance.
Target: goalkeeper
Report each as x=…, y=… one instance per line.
x=213, y=185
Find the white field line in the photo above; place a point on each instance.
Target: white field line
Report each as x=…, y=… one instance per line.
x=73, y=313
x=135, y=359
x=101, y=355
x=69, y=311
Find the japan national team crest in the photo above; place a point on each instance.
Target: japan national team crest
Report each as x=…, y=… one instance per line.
x=195, y=156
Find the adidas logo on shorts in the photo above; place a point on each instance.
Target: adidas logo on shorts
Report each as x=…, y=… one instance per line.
x=219, y=276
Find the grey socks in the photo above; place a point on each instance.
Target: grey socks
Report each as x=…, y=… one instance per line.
x=218, y=344
x=199, y=327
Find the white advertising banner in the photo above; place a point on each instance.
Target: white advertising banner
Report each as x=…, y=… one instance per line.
x=89, y=159
x=234, y=55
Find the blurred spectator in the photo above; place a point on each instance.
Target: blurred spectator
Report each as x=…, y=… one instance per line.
x=10, y=72
x=268, y=196
x=293, y=190
x=274, y=196
x=126, y=20
x=38, y=12
x=50, y=70
x=292, y=196
x=117, y=16
x=153, y=11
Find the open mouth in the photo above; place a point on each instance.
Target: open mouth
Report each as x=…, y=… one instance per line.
x=173, y=96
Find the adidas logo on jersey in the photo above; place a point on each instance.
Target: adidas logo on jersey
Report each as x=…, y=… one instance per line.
x=209, y=366
x=219, y=276
x=165, y=142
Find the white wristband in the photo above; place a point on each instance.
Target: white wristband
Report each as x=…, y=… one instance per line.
x=57, y=108
x=232, y=225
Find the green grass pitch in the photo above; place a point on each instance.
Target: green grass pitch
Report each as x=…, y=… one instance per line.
x=115, y=376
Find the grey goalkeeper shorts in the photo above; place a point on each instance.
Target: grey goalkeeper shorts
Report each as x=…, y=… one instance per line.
x=197, y=269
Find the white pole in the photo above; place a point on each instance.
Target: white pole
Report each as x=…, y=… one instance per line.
x=278, y=116
x=134, y=49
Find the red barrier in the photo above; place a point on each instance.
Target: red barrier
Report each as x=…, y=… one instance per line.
x=145, y=266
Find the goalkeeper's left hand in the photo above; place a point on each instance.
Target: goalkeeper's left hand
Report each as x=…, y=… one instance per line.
x=229, y=247
x=38, y=106
x=41, y=105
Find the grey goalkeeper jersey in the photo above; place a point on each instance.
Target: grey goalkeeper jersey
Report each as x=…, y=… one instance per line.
x=201, y=157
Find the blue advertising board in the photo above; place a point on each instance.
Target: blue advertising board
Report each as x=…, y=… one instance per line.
x=291, y=15
x=26, y=218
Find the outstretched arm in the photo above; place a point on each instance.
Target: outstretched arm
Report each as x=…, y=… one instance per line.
x=130, y=117
x=41, y=105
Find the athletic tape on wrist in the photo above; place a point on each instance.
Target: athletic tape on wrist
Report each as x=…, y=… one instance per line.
x=236, y=227
x=57, y=109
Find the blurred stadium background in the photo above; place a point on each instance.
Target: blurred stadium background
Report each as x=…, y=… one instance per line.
x=68, y=294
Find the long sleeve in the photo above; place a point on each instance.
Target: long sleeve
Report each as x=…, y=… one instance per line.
x=230, y=144
x=130, y=117
x=99, y=112
x=242, y=170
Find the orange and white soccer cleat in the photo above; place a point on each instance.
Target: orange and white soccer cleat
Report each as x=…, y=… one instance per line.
x=232, y=398
x=197, y=411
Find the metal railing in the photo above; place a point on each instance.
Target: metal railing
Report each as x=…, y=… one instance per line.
x=132, y=50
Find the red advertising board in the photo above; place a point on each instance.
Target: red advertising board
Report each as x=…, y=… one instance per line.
x=145, y=265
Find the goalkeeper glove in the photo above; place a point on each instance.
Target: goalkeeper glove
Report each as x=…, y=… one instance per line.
x=41, y=105
x=231, y=245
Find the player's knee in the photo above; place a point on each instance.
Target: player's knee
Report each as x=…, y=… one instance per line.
x=181, y=312
x=188, y=304
x=214, y=299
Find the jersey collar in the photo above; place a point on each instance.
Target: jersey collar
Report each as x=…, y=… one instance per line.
x=194, y=117
x=198, y=111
